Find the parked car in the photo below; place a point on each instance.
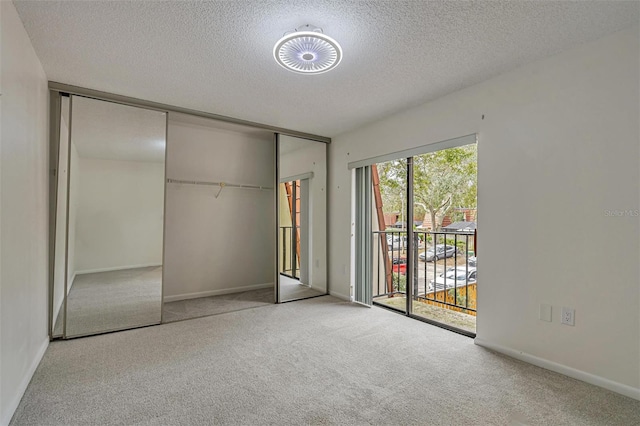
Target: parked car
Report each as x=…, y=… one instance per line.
x=396, y=242
x=472, y=261
x=399, y=265
x=441, y=251
x=454, y=277
x=397, y=239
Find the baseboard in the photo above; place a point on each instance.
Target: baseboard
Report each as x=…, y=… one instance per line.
x=219, y=292
x=116, y=268
x=13, y=405
x=620, y=388
x=320, y=289
x=73, y=279
x=340, y=296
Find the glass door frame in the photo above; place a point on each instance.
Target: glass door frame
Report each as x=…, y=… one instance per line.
x=363, y=259
x=294, y=239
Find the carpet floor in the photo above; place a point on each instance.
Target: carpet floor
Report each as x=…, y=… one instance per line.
x=113, y=300
x=214, y=305
x=291, y=289
x=318, y=361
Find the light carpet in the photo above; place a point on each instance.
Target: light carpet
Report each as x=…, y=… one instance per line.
x=291, y=289
x=214, y=305
x=113, y=300
x=318, y=361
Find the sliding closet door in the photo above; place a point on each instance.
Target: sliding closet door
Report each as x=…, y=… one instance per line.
x=60, y=151
x=115, y=204
x=302, y=220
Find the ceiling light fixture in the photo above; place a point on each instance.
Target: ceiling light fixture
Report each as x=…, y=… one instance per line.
x=307, y=51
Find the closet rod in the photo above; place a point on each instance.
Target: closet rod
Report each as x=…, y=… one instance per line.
x=220, y=184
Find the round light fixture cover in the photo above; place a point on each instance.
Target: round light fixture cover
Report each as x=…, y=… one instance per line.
x=307, y=52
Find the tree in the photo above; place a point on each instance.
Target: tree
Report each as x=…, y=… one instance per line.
x=393, y=186
x=443, y=180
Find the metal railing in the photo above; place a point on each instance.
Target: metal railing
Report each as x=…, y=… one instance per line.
x=290, y=263
x=445, y=268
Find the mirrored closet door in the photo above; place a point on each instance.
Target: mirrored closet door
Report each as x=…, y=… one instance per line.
x=109, y=218
x=302, y=221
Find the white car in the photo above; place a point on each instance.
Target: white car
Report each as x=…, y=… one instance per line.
x=396, y=239
x=454, y=277
x=397, y=242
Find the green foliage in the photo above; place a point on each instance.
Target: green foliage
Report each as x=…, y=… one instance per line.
x=419, y=212
x=461, y=298
x=457, y=216
x=460, y=244
x=446, y=179
x=393, y=187
x=399, y=282
x=443, y=180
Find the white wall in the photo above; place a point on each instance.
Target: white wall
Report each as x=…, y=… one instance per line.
x=558, y=147
x=311, y=158
x=216, y=246
x=23, y=211
x=119, y=219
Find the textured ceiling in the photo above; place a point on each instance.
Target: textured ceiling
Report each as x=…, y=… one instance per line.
x=217, y=56
x=117, y=132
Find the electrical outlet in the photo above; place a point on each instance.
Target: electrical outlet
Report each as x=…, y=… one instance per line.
x=568, y=316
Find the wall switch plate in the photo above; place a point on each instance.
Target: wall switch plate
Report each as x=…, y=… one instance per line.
x=545, y=312
x=568, y=316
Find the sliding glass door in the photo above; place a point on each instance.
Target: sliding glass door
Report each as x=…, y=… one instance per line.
x=420, y=213
x=389, y=233
x=443, y=185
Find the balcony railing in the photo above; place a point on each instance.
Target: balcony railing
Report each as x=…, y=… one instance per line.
x=289, y=257
x=445, y=268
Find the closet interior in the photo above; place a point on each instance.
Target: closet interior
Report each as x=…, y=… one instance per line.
x=219, y=239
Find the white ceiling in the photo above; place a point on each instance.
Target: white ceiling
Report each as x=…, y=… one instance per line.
x=217, y=56
x=111, y=131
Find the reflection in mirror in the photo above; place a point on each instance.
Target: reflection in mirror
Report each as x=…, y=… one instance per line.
x=61, y=220
x=115, y=217
x=302, y=219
